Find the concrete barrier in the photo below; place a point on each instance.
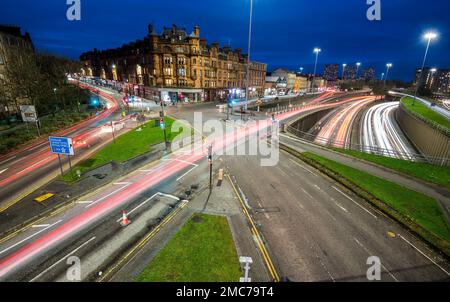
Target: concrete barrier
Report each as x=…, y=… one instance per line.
x=430, y=140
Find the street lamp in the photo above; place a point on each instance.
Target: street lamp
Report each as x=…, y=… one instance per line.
x=343, y=71
x=357, y=69
x=248, y=53
x=429, y=36
x=316, y=51
x=388, y=66
x=382, y=76
x=301, y=70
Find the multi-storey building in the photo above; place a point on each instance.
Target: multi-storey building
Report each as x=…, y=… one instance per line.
x=350, y=72
x=331, y=73
x=437, y=80
x=177, y=66
x=369, y=74
x=302, y=84
x=290, y=77
x=13, y=46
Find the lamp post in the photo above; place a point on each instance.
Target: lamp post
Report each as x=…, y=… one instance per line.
x=388, y=67
x=382, y=76
x=343, y=71
x=429, y=36
x=248, y=54
x=316, y=51
x=432, y=72
x=357, y=69
x=301, y=70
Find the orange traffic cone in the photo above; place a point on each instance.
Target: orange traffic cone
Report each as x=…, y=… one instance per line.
x=125, y=221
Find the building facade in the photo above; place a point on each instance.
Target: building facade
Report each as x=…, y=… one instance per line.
x=177, y=66
x=290, y=77
x=434, y=79
x=331, y=73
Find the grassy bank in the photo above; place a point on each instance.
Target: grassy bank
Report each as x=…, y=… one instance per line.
x=202, y=251
x=126, y=146
x=49, y=124
x=427, y=172
x=419, y=208
x=426, y=112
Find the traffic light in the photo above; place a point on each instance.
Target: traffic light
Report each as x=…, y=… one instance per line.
x=161, y=123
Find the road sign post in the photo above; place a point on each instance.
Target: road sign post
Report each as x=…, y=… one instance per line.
x=61, y=146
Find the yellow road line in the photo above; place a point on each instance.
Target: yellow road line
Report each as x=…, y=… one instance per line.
x=255, y=232
x=144, y=241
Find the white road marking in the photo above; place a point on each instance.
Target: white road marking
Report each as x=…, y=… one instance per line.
x=84, y=202
x=186, y=162
x=3, y=170
x=29, y=237
x=140, y=205
x=355, y=202
x=423, y=254
x=368, y=252
x=190, y=170
x=168, y=195
x=62, y=259
x=304, y=191
x=303, y=167
x=40, y=226
x=122, y=183
x=106, y=196
x=341, y=207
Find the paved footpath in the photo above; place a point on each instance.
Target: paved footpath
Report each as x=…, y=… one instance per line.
x=439, y=193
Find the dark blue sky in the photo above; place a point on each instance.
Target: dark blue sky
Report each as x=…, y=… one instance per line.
x=285, y=31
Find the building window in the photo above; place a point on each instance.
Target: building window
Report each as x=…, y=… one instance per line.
x=167, y=60
x=168, y=71
x=181, y=72
x=194, y=61
x=168, y=82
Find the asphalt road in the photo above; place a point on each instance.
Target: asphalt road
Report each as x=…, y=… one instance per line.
x=27, y=169
x=317, y=231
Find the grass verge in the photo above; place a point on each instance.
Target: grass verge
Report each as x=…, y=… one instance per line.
x=418, y=212
x=426, y=112
x=427, y=172
x=126, y=146
x=202, y=251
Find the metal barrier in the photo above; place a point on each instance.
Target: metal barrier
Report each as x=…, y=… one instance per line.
x=324, y=142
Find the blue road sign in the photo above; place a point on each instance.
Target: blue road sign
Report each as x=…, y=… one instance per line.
x=61, y=145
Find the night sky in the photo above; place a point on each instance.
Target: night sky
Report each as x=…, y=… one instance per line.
x=285, y=31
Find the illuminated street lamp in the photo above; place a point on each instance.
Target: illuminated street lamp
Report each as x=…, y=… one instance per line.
x=382, y=76
x=429, y=36
x=248, y=54
x=316, y=51
x=388, y=67
x=357, y=69
x=343, y=71
x=301, y=70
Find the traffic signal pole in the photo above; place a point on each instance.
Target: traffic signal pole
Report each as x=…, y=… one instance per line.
x=210, y=166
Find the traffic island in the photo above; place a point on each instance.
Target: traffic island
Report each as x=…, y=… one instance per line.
x=202, y=251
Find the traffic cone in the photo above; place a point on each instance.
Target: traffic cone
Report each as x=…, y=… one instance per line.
x=125, y=221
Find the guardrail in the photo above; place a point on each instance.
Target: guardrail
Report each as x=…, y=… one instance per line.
x=324, y=142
